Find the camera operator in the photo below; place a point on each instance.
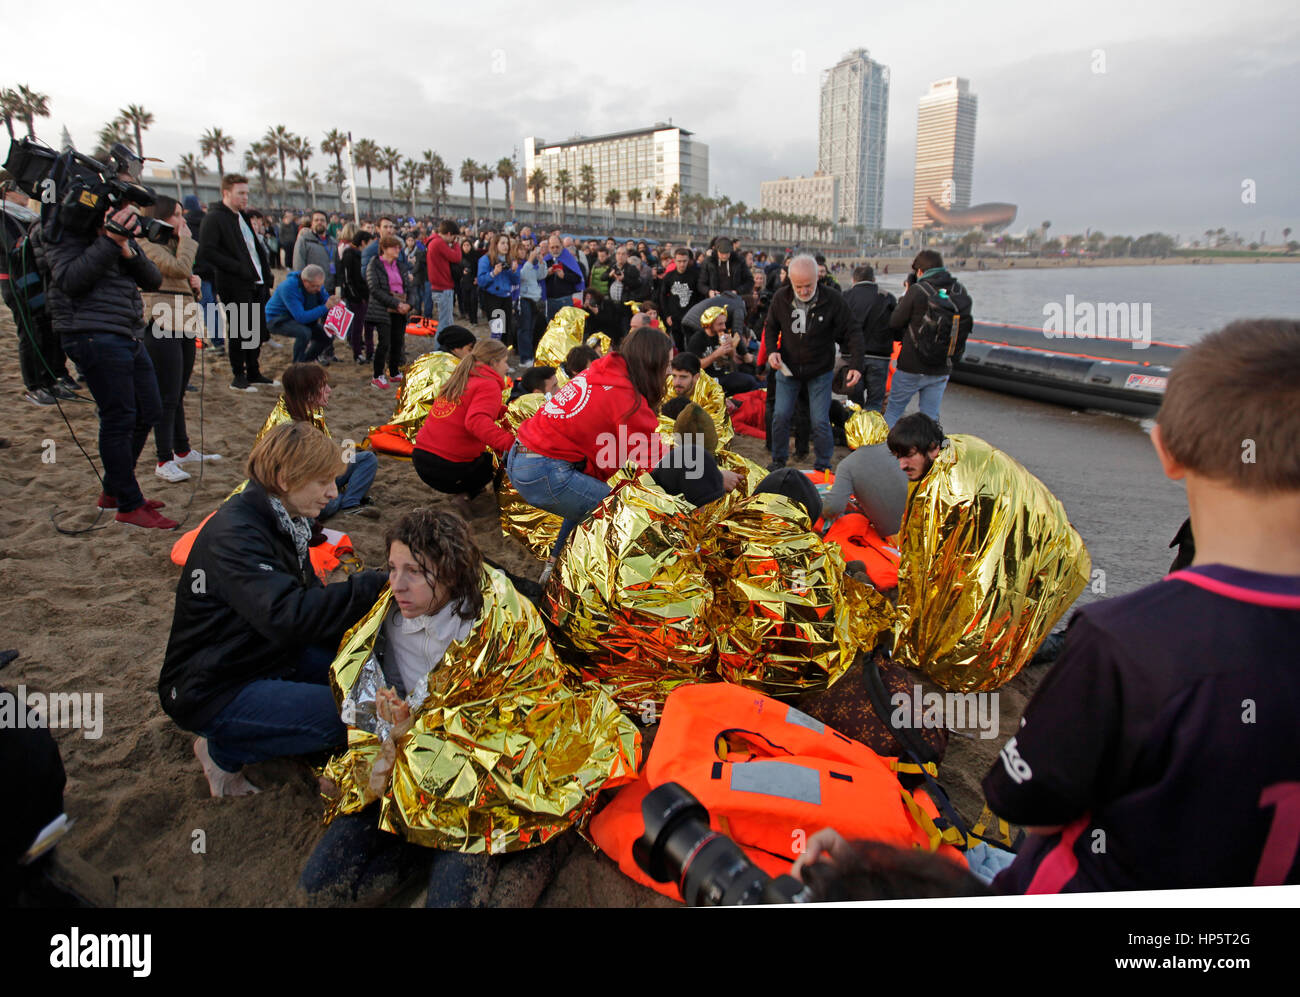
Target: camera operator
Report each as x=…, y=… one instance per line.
x=242, y=278
x=95, y=303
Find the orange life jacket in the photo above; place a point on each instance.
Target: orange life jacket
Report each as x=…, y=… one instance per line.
x=859, y=541
x=422, y=327
x=324, y=556
x=770, y=778
x=387, y=440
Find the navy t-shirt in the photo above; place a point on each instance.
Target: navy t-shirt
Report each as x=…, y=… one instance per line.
x=1165, y=740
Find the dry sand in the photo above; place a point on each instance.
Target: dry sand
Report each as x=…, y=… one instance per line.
x=91, y=614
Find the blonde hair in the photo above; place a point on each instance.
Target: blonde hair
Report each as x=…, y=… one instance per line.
x=298, y=452
x=485, y=351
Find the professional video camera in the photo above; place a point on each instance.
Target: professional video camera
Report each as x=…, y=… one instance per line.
x=85, y=190
x=710, y=869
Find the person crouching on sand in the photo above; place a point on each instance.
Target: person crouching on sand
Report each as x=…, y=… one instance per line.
x=254, y=630
x=452, y=452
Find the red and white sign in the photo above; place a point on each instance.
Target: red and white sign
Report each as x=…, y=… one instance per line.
x=1146, y=382
x=338, y=321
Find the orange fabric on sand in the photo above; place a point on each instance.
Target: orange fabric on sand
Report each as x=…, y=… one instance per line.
x=859, y=541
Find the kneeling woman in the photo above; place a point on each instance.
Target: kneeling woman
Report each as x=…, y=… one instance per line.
x=306, y=393
x=590, y=428
x=254, y=630
x=452, y=448
x=449, y=661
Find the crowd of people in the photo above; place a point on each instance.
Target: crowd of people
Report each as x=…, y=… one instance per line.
x=1124, y=735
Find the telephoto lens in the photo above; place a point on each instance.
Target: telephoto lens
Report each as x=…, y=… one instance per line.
x=678, y=846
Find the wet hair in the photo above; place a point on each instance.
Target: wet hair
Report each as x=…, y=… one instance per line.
x=535, y=378
x=646, y=351
x=1235, y=389
x=485, y=351
x=878, y=871
x=926, y=259
x=302, y=384
x=915, y=433
x=688, y=362
x=579, y=359
x=298, y=451
x=444, y=548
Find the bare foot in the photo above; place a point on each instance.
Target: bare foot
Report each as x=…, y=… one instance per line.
x=221, y=782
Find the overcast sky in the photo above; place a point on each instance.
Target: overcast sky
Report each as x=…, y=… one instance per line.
x=1195, y=98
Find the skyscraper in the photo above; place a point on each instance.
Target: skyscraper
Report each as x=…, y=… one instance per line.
x=851, y=135
x=945, y=148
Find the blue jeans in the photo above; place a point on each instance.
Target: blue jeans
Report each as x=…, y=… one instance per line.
x=353, y=484
x=121, y=379
x=211, y=312
x=929, y=387
x=309, y=341
x=425, y=304
x=875, y=375
x=555, y=486
x=444, y=302
x=553, y=305
x=271, y=718
x=528, y=312
x=819, y=410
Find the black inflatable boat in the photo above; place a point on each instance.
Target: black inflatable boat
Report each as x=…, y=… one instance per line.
x=1083, y=373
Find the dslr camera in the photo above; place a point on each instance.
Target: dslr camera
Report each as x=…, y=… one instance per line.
x=78, y=193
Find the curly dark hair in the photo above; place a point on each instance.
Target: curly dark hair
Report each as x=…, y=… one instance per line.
x=444, y=548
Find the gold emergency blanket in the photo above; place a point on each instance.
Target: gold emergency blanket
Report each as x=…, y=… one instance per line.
x=651, y=594
x=535, y=528
x=990, y=562
x=863, y=427
x=707, y=395
x=423, y=378
x=504, y=749
x=280, y=415
x=562, y=334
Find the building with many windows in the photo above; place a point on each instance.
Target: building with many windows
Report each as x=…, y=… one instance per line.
x=851, y=136
x=644, y=159
x=817, y=195
x=945, y=150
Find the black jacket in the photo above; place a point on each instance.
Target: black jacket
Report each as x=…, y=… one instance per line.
x=632, y=285
x=90, y=286
x=907, y=318
x=677, y=293
x=222, y=250
x=377, y=282
x=351, y=281
x=871, y=308
x=733, y=275
x=250, y=611
x=812, y=353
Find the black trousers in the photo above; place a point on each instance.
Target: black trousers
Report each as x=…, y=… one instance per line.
x=41, y=362
x=173, y=363
x=391, y=347
x=245, y=319
x=453, y=477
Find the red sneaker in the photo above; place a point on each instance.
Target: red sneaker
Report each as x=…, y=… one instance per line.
x=146, y=518
x=107, y=501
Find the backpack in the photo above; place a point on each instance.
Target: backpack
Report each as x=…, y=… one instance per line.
x=941, y=338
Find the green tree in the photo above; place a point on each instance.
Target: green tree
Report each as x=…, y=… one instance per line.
x=215, y=142
x=389, y=160
x=586, y=192
x=506, y=173
x=564, y=187
x=538, y=181
x=366, y=155
x=469, y=175
x=612, y=197
x=112, y=133
x=333, y=144
x=634, y=199
x=191, y=166
x=11, y=106
x=139, y=120
x=32, y=105
x=281, y=142
x=306, y=180
x=260, y=159
x=411, y=173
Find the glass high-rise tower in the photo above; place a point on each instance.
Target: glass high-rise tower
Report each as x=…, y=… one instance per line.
x=945, y=148
x=851, y=136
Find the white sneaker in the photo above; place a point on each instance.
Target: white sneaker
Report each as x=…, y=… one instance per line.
x=171, y=471
x=194, y=455
x=525, y=364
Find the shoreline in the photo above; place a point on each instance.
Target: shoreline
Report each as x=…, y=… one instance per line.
x=966, y=264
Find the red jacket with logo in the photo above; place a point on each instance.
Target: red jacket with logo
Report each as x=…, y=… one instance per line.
x=439, y=260
x=458, y=431
x=598, y=417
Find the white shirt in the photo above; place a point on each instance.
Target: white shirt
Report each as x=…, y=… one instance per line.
x=251, y=244
x=416, y=646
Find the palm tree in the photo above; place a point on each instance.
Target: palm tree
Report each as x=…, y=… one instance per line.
x=389, y=160
x=506, y=171
x=564, y=187
x=139, y=120
x=111, y=134
x=612, y=197
x=537, y=183
x=33, y=105
x=302, y=150
x=11, y=106
x=634, y=199
x=433, y=168
x=411, y=173
x=440, y=178
x=260, y=159
x=336, y=175
x=741, y=211
x=215, y=142
x=469, y=175
x=333, y=144
x=586, y=191
x=191, y=166
x=673, y=203
x=307, y=180
x=486, y=174
x=654, y=193
x=281, y=141
x=366, y=155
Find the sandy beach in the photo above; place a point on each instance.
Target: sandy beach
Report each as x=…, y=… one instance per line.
x=91, y=614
